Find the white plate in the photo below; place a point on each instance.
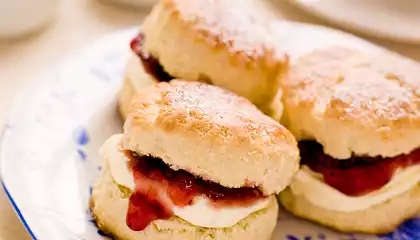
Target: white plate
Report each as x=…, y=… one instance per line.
x=391, y=19
x=49, y=158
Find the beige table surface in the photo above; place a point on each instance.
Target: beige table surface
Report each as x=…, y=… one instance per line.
x=79, y=22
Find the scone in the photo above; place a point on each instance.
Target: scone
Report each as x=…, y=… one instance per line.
x=219, y=42
x=194, y=162
x=357, y=119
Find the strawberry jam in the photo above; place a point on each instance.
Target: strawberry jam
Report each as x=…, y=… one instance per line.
x=358, y=175
x=150, y=63
x=159, y=188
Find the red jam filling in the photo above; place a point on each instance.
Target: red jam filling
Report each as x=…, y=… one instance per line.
x=150, y=63
x=358, y=175
x=159, y=188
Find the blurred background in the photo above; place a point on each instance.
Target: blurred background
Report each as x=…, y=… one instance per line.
x=36, y=34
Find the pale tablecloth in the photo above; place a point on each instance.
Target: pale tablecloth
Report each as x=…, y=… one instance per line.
x=79, y=22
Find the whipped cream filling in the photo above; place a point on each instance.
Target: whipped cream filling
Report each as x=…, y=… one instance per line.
x=201, y=213
x=310, y=184
x=137, y=75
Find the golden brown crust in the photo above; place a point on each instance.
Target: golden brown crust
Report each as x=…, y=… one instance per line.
x=109, y=209
x=212, y=133
x=206, y=108
x=218, y=42
x=373, y=91
x=377, y=95
x=227, y=25
x=381, y=218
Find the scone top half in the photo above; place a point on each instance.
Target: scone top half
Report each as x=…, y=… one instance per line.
x=355, y=103
x=223, y=43
x=213, y=134
x=357, y=119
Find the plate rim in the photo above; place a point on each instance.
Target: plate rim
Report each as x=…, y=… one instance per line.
x=5, y=132
x=354, y=27
x=45, y=80
x=17, y=211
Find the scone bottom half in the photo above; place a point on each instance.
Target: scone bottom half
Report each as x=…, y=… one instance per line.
x=356, y=118
x=177, y=165
x=109, y=207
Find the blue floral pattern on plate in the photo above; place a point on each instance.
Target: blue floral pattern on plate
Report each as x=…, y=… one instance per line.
x=409, y=230
x=49, y=150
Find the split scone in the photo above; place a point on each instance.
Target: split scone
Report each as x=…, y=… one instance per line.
x=357, y=119
x=219, y=42
x=194, y=162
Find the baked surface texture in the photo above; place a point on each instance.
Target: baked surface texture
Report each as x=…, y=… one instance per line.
x=351, y=102
x=213, y=134
x=224, y=43
x=381, y=218
x=109, y=208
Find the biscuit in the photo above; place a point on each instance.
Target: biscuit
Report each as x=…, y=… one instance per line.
x=354, y=103
x=213, y=134
x=223, y=43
